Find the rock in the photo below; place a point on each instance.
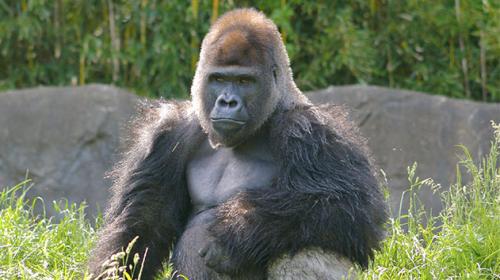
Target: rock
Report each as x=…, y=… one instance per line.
x=403, y=127
x=67, y=138
x=64, y=138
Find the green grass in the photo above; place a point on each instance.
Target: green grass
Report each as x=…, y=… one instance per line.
x=35, y=247
x=462, y=243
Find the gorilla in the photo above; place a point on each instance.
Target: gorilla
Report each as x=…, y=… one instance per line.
x=248, y=180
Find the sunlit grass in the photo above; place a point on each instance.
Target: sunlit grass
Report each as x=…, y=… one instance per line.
x=35, y=247
x=462, y=243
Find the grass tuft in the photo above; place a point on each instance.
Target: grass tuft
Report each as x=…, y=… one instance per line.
x=36, y=247
x=463, y=242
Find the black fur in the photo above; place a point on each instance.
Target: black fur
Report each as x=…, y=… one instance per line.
x=325, y=193
x=150, y=198
x=325, y=196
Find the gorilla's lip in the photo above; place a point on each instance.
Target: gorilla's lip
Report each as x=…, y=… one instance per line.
x=226, y=126
x=228, y=121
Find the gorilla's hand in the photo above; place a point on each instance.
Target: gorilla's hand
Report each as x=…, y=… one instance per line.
x=218, y=258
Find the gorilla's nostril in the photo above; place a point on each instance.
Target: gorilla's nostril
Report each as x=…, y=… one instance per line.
x=222, y=103
x=227, y=103
x=232, y=104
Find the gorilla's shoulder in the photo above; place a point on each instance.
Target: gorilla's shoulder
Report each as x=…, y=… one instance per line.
x=315, y=122
x=162, y=114
x=159, y=117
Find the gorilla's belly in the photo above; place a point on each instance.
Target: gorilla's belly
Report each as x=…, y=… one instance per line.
x=214, y=175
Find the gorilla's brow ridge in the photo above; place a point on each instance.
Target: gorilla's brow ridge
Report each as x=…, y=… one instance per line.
x=232, y=70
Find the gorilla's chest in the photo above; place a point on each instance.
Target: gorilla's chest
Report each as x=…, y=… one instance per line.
x=214, y=175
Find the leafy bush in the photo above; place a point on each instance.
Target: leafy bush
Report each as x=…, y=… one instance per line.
x=444, y=47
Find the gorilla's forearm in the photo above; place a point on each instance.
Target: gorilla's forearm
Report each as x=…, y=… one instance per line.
x=276, y=222
x=141, y=208
x=137, y=218
x=149, y=195
x=326, y=196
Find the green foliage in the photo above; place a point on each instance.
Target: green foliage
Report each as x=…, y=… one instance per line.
x=37, y=247
x=462, y=243
x=151, y=46
x=115, y=268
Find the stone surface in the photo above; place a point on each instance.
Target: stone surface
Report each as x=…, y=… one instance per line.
x=64, y=138
x=403, y=127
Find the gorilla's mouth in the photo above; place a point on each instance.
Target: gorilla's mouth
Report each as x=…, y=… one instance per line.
x=227, y=120
x=226, y=124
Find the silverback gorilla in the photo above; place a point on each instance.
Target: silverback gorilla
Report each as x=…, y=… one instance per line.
x=249, y=180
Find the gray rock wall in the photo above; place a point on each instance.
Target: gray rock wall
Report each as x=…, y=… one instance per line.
x=65, y=138
x=68, y=137
x=403, y=127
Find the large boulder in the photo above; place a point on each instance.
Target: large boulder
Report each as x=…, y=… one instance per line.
x=64, y=138
x=403, y=127
x=67, y=138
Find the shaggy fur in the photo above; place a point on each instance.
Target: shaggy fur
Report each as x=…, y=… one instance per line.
x=325, y=196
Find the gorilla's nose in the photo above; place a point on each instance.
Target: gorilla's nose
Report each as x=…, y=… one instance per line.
x=229, y=102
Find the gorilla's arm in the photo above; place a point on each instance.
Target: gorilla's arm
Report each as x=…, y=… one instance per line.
x=150, y=199
x=326, y=196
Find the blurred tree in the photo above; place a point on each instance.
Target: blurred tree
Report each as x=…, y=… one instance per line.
x=151, y=46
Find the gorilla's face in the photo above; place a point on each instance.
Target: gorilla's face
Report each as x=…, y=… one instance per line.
x=230, y=89
x=237, y=100
x=235, y=87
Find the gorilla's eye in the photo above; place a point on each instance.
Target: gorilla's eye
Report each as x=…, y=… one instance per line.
x=244, y=81
x=219, y=79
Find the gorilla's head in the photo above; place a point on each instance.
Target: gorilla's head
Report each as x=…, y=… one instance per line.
x=242, y=77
